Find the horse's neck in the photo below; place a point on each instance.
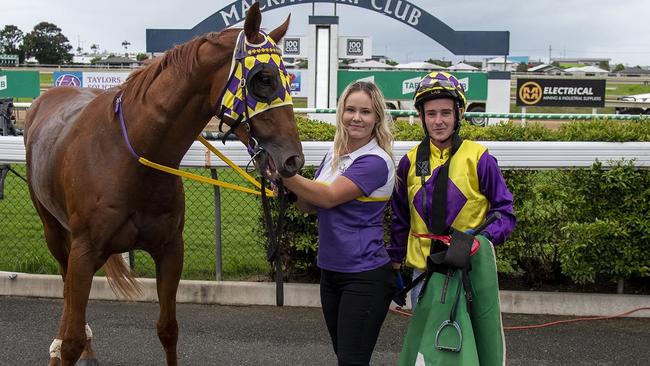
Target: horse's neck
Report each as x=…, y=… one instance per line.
x=169, y=121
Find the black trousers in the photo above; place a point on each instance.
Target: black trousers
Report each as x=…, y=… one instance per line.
x=354, y=307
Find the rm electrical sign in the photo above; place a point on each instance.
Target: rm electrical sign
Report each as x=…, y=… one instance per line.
x=560, y=93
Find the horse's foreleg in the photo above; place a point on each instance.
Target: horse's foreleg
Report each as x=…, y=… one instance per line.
x=78, y=282
x=169, y=265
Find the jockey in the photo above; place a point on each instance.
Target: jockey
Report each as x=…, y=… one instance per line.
x=445, y=183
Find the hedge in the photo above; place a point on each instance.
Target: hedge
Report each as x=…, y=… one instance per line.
x=583, y=225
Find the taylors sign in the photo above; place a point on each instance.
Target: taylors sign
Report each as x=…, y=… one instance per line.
x=400, y=10
x=409, y=85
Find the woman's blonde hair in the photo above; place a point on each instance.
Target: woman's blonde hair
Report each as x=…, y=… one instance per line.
x=381, y=131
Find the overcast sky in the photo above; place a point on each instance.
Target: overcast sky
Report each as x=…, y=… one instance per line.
x=619, y=30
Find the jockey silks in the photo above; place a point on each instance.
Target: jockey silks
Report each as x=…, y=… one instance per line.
x=475, y=189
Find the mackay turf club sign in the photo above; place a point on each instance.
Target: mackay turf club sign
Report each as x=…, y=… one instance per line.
x=458, y=42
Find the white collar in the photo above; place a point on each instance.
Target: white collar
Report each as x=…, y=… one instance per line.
x=363, y=150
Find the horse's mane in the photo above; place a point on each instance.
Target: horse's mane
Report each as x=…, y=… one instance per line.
x=181, y=60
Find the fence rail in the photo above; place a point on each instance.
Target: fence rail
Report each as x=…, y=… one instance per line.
x=511, y=155
x=409, y=112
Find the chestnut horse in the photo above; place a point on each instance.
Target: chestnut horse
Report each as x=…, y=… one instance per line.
x=95, y=200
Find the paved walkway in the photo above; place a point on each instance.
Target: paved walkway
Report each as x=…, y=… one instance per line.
x=264, y=335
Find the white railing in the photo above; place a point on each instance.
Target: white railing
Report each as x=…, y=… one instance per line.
x=511, y=155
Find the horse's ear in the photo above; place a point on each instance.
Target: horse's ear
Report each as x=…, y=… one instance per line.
x=253, y=22
x=279, y=32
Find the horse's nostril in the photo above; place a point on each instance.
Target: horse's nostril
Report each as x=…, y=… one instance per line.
x=292, y=165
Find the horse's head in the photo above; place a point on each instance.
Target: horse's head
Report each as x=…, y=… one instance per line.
x=256, y=101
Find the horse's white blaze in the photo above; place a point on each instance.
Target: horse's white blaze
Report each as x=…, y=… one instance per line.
x=55, y=348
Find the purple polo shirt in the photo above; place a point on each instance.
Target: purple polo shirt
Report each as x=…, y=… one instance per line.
x=351, y=235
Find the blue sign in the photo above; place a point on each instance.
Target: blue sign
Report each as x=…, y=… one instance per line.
x=68, y=78
x=295, y=81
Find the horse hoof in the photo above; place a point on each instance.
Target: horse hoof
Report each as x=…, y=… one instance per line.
x=54, y=362
x=87, y=362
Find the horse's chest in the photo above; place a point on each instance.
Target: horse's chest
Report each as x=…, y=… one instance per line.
x=155, y=229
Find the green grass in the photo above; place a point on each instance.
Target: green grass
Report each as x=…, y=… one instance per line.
x=300, y=102
x=23, y=248
x=616, y=90
x=47, y=78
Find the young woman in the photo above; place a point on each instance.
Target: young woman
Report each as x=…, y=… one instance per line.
x=350, y=191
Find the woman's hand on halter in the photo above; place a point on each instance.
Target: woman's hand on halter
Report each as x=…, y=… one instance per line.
x=323, y=195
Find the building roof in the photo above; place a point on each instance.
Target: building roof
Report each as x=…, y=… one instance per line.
x=117, y=60
x=499, y=60
x=419, y=66
x=634, y=70
x=586, y=69
x=461, y=66
x=372, y=64
x=546, y=68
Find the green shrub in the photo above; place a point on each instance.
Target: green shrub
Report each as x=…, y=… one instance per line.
x=611, y=237
x=594, y=130
x=585, y=225
x=314, y=130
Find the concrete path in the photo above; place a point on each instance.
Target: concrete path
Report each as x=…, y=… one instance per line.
x=266, y=335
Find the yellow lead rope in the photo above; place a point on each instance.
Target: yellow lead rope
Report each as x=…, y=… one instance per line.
x=207, y=180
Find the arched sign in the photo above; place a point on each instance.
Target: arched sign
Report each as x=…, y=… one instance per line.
x=457, y=42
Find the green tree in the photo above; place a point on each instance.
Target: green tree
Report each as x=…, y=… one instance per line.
x=141, y=56
x=439, y=62
x=94, y=47
x=10, y=39
x=47, y=44
x=522, y=67
x=604, y=65
x=618, y=67
x=391, y=62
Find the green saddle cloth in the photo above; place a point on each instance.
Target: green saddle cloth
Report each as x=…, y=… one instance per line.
x=482, y=332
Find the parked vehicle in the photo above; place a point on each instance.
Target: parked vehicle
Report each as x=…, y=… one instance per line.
x=634, y=110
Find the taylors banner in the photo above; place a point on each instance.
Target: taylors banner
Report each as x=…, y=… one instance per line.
x=401, y=85
x=99, y=80
x=561, y=92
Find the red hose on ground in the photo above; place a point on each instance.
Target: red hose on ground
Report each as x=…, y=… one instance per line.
x=534, y=326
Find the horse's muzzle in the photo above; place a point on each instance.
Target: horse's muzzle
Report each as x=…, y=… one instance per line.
x=291, y=166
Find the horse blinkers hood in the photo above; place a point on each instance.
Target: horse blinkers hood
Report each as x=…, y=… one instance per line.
x=238, y=102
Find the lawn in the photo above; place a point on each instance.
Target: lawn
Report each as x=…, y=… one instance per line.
x=24, y=250
x=616, y=90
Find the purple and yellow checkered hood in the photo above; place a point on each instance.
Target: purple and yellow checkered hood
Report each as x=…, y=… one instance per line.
x=245, y=57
